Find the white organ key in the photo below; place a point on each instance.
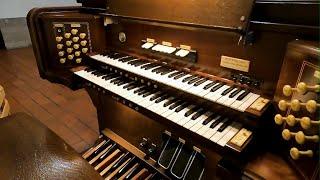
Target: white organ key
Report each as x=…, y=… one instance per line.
x=218, y=135
x=235, y=128
x=248, y=102
x=213, y=96
x=212, y=131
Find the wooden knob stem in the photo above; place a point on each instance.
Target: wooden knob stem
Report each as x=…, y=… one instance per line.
x=296, y=154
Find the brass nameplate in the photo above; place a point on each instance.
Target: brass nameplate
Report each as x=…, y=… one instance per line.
x=235, y=63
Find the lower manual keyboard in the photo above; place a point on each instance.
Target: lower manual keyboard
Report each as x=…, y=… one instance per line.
x=214, y=126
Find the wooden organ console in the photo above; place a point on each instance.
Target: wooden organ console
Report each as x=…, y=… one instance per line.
x=188, y=89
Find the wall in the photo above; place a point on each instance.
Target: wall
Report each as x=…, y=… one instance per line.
x=13, y=24
x=20, y=8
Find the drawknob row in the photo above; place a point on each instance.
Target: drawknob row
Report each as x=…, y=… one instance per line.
x=305, y=122
x=295, y=105
x=300, y=137
x=301, y=88
x=296, y=154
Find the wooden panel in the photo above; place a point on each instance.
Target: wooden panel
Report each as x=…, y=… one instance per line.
x=205, y=12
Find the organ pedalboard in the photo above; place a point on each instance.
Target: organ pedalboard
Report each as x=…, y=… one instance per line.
x=114, y=158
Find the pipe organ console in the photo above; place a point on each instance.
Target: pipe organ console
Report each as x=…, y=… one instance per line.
x=188, y=89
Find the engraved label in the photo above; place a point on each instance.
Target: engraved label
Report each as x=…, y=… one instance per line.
x=235, y=63
x=75, y=25
x=316, y=74
x=58, y=25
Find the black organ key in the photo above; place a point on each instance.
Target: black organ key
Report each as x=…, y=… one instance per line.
x=200, y=82
x=209, y=119
x=243, y=95
x=176, y=104
x=166, y=72
x=143, y=92
x=115, y=80
x=139, y=90
x=182, y=106
x=156, y=69
x=170, y=101
x=117, y=55
x=216, y=87
x=199, y=112
x=121, y=83
x=215, y=123
x=148, y=65
x=224, y=125
x=179, y=76
x=225, y=92
x=133, y=62
x=147, y=94
x=191, y=111
x=109, y=76
x=88, y=69
x=155, y=96
x=235, y=92
x=151, y=66
x=174, y=74
x=132, y=87
x=162, y=98
x=188, y=78
x=194, y=80
x=126, y=59
x=209, y=85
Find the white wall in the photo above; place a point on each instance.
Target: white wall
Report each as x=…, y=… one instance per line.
x=20, y=8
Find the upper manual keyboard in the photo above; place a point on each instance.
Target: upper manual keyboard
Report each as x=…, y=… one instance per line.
x=213, y=90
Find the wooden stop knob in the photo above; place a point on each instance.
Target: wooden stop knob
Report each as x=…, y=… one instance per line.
x=301, y=138
x=286, y=134
x=67, y=35
x=296, y=154
x=278, y=119
x=311, y=106
x=295, y=105
x=287, y=90
x=282, y=105
x=74, y=31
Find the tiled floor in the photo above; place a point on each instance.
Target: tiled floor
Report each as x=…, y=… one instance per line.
x=70, y=114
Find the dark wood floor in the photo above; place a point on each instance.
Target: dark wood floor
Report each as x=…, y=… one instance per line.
x=70, y=114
